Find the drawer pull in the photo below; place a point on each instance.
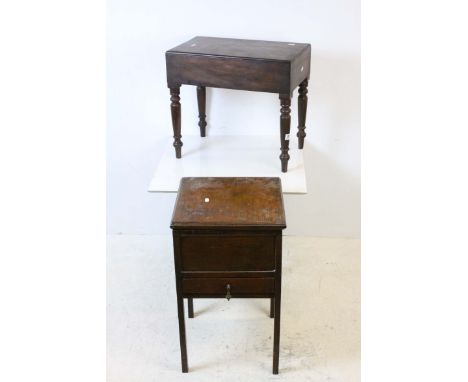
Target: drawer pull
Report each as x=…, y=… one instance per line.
x=228, y=291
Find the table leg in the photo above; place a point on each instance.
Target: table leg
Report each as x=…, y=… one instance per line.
x=276, y=325
x=302, y=109
x=190, y=307
x=276, y=334
x=182, y=338
x=272, y=307
x=201, y=98
x=285, y=125
x=176, y=119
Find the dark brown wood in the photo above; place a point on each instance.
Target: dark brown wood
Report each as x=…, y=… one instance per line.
x=216, y=286
x=285, y=126
x=180, y=305
x=242, y=48
x=254, y=65
x=265, y=66
x=277, y=313
x=300, y=69
x=231, y=248
x=176, y=119
x=182, y=337
x=205, y=274
x=239, y=253
x=229, y=203
x=190, y=307
x=302, y=111
x=201, y=98
x=229, y=72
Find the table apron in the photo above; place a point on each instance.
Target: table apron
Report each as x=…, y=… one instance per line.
x=228, y=72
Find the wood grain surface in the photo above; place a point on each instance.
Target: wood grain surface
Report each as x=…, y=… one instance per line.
x=229, y=203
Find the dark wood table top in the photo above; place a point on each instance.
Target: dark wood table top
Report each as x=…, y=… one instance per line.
x=229, y=203
x=232, y=47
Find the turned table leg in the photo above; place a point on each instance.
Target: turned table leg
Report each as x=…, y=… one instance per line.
x=176, y=120
x=201, y=98
x=190, y=307
x=285, y=125
x=302, y=110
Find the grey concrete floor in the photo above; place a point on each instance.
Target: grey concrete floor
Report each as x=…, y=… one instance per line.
x=233, y=340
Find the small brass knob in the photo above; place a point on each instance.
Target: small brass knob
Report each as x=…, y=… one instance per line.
x=228, y=292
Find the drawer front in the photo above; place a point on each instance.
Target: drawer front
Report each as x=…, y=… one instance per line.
x=238, y=287
x=227, y=253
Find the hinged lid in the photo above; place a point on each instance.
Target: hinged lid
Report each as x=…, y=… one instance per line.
x=249, y=49
x=231, y=203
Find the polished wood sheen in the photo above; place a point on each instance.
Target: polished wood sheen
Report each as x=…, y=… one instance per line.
x=254, y=65
x=227, y=235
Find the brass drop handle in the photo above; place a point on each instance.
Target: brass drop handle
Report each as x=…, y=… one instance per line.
x=228, y=292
